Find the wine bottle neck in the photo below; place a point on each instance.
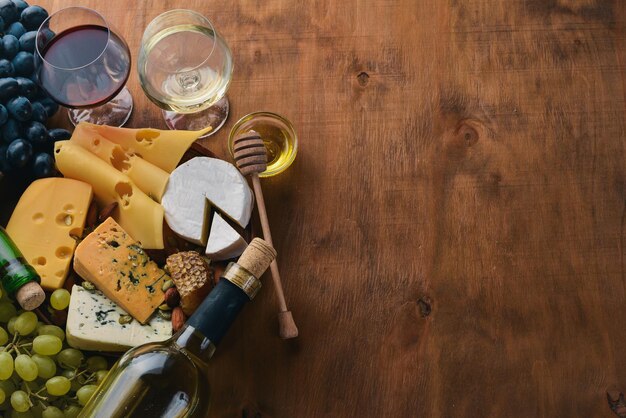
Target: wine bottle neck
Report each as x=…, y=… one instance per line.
x=212, y=319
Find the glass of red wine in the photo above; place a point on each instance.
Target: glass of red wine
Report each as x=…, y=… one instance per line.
x=83, y=63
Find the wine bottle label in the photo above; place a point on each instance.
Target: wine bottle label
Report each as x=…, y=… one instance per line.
x=218, y=311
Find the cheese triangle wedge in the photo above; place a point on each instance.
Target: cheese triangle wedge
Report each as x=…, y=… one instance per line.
x=159, y=147
x=224, y=242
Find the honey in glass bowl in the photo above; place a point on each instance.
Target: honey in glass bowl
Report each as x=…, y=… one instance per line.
x=279, y=137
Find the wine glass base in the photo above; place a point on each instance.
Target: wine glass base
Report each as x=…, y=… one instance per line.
x=113, y=113
x=215, y=117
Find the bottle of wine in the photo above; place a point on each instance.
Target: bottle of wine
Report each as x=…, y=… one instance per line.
x=19, y=279
x=169, y=379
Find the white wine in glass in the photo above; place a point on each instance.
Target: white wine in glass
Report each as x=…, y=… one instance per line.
x=185, y=68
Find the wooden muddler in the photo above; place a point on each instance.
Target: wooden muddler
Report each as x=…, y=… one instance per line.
x=251, y=159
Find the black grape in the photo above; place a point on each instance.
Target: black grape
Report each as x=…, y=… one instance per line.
x=36, y=133
x=20, y=108
x=43, y=165
x=27, y=41
x=6, y=68
x=19, y=153
x=11, y=130
x=16, y=29
x=33, y=16
x=23, y=63
x=9, y=88
x=11, y=45
x=8, y=11
x=39, y=113
x=59, y=134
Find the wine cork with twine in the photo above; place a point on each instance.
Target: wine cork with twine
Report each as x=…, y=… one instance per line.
x=30, y=296
x=257, y=257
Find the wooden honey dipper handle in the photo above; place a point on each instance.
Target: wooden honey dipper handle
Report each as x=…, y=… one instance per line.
x=251, y=159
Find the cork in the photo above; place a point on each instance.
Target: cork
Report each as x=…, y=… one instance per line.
x=257, y=257
x=30, y=296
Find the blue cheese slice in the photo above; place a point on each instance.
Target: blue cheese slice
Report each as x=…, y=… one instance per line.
x=93, y=324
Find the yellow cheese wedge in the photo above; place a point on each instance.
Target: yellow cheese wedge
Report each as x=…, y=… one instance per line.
x=162, y=148
x=141, y=216
x=148, y=177
x=49, y=213
x=119, y=268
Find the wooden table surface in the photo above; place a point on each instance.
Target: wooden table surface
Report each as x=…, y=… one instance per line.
x=452, y=233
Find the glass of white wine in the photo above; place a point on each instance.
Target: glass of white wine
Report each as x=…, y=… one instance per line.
x=185, y=68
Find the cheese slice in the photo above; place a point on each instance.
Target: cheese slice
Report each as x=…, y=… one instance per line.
x=224, y=242
x=149, y=178
x=93, y=324
x=198, y=180
x=117, y=266
x=49, y=214
x=139, y=215
x=162, y=148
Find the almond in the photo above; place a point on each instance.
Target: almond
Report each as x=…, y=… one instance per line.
x=178, y=318
x=172, y=297
x=107, y=211
x=92, y=215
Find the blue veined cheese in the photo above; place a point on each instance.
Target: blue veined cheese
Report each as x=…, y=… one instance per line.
x=93, y=324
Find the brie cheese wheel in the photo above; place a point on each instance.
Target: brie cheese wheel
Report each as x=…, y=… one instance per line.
x=93, y=324
x=224, y=241
x=196, y=183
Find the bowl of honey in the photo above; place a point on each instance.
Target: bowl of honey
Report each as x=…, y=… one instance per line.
x=279, y=138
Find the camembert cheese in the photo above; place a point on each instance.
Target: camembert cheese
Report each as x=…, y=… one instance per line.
x=117, y=266
x=224, y=242
x=195, y=184
x=45, y=222
x=93, y=323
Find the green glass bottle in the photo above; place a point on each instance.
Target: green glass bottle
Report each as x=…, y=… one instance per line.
x=15, y=272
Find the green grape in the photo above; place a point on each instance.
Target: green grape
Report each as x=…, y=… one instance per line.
x=70, y=358
x=7, y=311
x=11, y=325
x=47, y=345
x=20, y=401
x=60, y=299
x=46, y=367
x=72, y=411
x=6, y=365
x=51, y=330
x=4, y=337
x=100, y=375
x=58, y=385
x=52, y=412
x=26, y=368
x=85, y=393
x=96, y=363
x=3, y=396
x=26, y=323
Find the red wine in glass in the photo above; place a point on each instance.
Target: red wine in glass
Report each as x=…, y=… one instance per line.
x=76, y=48
x=83, y=64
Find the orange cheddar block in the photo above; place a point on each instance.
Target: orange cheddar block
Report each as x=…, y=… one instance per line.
x=45, y=223
x=119, y=268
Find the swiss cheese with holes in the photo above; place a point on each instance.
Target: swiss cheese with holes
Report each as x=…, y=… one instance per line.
x=147, y=176
x=50, y=213
x=161, y=148
x=139, y=215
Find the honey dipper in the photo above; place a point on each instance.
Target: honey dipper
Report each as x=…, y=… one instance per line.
x=251, y=159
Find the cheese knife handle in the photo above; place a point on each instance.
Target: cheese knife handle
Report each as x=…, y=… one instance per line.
x=286, y=324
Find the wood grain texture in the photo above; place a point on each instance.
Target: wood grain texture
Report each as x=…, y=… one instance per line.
x=451, y=236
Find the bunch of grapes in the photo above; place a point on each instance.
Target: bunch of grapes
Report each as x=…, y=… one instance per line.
x=25, y=143
x=39, y=375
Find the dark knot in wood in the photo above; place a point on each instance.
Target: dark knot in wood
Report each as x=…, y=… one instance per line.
x=425, y=306
x=468, y=134
x=363, y=78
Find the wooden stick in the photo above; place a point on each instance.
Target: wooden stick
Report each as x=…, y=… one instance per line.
x=286, y=325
